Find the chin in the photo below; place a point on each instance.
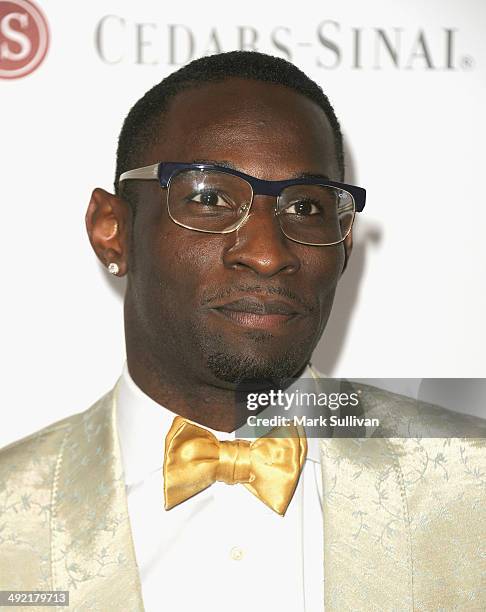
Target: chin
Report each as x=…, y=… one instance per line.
x=253, y=355
x=238, y=368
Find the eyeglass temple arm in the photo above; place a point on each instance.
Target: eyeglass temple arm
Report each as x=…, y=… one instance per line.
x=147, y=172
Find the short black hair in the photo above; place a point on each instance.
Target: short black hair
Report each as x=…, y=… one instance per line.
x=138, y=128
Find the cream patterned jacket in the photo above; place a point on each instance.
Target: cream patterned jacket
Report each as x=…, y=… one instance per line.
x=404, y=517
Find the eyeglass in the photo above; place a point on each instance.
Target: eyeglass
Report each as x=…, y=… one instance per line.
x=217, y=199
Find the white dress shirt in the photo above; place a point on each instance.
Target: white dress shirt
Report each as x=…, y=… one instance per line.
x=222, y=549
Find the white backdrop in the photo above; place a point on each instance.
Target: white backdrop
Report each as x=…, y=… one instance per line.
x=407, y=80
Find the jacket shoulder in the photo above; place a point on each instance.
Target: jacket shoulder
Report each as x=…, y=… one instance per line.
x=42, y=445
x=400, y=415
x=49, y=433
x=33, y=439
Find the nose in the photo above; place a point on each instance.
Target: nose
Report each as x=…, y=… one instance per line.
x=260, y=245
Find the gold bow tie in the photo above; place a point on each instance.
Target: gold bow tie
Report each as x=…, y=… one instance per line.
x=269, y=467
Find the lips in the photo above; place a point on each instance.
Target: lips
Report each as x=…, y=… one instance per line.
x=262, y=307
x=256, y=312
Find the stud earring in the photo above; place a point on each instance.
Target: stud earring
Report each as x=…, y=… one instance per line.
x=113, y=268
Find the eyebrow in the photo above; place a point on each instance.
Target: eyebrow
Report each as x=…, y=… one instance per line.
x=317, y=175
x=227, y=164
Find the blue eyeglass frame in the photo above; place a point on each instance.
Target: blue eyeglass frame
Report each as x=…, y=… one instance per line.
x=164, y=171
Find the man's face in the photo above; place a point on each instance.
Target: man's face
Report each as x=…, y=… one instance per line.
x=247, y=304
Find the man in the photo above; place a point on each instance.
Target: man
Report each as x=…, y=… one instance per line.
x=232, y=223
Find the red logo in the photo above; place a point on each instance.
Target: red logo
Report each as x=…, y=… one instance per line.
x=24, y=38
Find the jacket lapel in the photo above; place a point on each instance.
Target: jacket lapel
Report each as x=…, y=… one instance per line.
x=367, y=549
x=93, y=556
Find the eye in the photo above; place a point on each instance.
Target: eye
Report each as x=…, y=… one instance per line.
x=210, y=198
x=304, y=208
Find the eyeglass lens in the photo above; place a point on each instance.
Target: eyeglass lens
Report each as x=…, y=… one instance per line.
x=215, y=201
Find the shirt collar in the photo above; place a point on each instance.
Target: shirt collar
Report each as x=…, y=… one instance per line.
x=143, y=424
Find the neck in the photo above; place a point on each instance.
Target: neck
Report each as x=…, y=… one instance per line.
x=185, y=395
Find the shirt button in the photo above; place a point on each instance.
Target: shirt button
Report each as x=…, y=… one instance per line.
x=236, y=553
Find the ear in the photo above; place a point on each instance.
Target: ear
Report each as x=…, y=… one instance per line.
x=348, y=247
x=108, y=221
